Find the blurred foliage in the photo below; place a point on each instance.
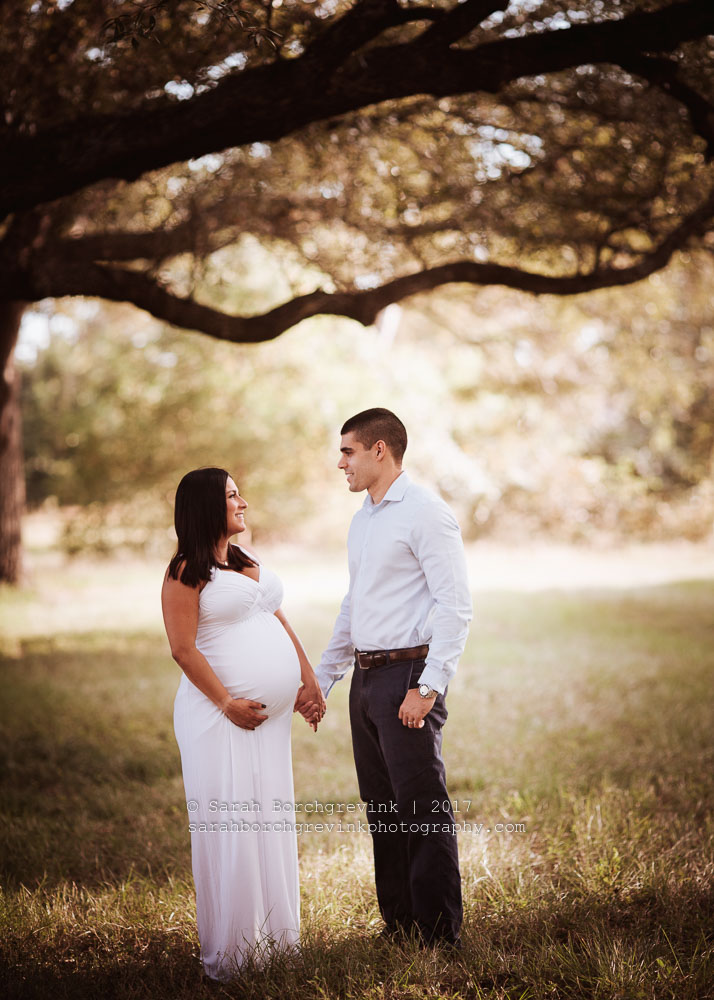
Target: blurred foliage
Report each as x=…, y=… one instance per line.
x=577, y=419
x=117, y=407
x=589, y=416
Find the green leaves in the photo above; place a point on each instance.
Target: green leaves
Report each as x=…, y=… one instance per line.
x=144, y=21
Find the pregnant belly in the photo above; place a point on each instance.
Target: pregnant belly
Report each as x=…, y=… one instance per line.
x=256, y=659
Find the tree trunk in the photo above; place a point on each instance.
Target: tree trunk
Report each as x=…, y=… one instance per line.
x=12, y=477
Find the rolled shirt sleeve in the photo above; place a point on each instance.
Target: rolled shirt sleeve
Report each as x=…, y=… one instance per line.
x=438, y=546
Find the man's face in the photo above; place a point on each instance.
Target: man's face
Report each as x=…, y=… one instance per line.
x=359, y=463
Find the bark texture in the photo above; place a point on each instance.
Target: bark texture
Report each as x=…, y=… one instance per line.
x=12, y=480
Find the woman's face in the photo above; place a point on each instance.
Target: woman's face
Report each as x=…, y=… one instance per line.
x=235, y=505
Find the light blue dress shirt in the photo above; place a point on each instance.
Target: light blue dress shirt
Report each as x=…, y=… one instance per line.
x=408, y=585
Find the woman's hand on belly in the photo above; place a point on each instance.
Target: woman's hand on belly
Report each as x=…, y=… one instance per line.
x=243, y=712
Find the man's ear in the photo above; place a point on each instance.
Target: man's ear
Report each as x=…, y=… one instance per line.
x=380, y=450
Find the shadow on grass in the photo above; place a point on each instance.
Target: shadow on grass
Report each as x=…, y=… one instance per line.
x=657, y=943
x=91, y=774
x=575, y=688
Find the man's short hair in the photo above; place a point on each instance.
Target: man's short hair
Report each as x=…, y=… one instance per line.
x=378, y=424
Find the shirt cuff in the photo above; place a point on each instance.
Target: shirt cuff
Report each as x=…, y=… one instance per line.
x=328, y=676
x=434, y=677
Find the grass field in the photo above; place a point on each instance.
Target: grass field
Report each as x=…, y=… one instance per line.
x=581, y=721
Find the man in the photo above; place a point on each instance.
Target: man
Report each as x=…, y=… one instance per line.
x=403, y=623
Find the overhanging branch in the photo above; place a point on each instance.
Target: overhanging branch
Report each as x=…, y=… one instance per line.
x=121, y=246
x=361, y=305
x=460, y=21
x=364, y=22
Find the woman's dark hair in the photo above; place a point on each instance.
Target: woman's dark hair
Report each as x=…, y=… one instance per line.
x=200, y=522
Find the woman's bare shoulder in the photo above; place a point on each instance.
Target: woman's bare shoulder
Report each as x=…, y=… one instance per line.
x=175, y=581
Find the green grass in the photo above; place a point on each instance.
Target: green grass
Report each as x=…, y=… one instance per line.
x=585, y=716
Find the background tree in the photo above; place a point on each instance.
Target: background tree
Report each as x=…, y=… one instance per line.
x=587, y=418
x=378, y=149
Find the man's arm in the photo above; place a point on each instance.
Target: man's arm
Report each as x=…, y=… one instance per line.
x=437, y=544
x=339, y=655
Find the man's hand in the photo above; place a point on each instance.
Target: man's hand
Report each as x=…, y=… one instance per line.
x=413, y=709
x=310, y=703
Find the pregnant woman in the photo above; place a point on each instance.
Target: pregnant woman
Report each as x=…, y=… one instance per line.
x=244, y=672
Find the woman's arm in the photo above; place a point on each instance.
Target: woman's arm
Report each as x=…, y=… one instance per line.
x=179, y=604
x=310, y=701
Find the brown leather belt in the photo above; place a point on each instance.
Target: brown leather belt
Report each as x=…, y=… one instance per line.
x=381, y=657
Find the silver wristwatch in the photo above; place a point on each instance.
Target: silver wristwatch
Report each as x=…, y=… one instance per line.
x=426, y=692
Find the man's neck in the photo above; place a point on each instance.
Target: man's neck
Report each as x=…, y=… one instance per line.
x=379, y=490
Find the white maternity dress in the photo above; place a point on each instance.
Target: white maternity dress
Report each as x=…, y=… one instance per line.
x=238, y=782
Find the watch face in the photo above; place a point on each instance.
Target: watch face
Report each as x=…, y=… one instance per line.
x=424, y=690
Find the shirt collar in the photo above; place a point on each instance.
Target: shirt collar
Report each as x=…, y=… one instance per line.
x=395, y=492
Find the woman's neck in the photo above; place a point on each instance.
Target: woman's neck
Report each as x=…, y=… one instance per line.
x=221, y=551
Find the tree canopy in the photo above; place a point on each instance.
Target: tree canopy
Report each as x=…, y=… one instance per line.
x=385, y=147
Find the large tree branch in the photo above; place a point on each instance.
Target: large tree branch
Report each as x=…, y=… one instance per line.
x=124, y=246
x=209, y=228
x=272, y=101
x=360, y=25
x=55, y=278
x=460, y=21
x=193, y=235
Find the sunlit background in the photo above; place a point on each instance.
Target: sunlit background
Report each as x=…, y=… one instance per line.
x=588, y=419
